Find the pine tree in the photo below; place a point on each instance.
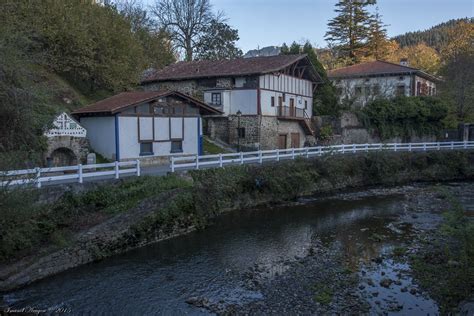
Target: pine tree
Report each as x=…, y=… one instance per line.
x=349, y=30
x=377, y=37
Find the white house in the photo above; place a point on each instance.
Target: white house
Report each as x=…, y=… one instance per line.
x=266, y=101
x=135, y=124
x=365, y=82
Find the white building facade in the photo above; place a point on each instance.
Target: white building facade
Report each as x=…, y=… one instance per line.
x=362, y=83
x=143, y=124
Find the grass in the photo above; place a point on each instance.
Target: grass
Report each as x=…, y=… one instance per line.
x=445, y=266
x=27, y=225
x=211, y=148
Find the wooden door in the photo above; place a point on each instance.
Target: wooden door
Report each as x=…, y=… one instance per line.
x=292, y=107
x=281, y=141
x=295, y=140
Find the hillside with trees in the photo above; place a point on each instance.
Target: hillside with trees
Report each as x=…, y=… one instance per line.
x=435, y=37
x=61, y=55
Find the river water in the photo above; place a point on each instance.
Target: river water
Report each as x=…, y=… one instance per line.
x=160, y=278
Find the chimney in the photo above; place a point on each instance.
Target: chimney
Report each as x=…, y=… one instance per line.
x=404, y=62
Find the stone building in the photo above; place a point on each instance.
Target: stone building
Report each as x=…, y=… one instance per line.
x=365, y=82
x=266, y=101
x=67, y=143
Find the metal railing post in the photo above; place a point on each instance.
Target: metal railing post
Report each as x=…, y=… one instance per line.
x=197, y=162
x=38, y=176
x=79, y=171
x=116, y=169
x=138, y=166
x=220, y=160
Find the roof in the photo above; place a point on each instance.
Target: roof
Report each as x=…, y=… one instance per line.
x=221, y=68
x=124, y=100
x=376, y=68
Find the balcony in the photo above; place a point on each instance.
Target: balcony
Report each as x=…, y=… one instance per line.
x=294, y=113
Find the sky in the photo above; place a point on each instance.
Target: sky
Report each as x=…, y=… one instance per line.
x=271, y=22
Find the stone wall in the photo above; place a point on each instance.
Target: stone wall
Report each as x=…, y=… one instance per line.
x=77, y=146
x=251, y=124
x=216, y=127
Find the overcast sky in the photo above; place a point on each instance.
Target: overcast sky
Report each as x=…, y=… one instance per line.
x=271, y=22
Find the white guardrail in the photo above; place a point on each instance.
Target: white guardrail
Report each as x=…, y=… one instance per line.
x=196, y=162
x=78, y=172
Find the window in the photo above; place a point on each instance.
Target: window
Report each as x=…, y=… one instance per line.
x=143, y=108
x=305, y=104
x=401, y=89
x=418, y=88
x=376, y=90
x=280, y=101
x=358, y=91
x=241, y=132
x=176, y=146
x=216, y=98
x=292, y=102
x=272, y=101
x=146, y=148
x=433, y=91
x=401, y=78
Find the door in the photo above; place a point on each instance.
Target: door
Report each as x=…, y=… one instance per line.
x=281, y=141
x=295, y=140
x=292, y=107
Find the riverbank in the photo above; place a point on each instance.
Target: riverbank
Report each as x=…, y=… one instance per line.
x=78, y=228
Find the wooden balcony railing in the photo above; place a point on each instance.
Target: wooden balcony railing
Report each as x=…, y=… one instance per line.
x=288, y=112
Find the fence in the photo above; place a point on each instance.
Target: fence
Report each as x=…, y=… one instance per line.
x=196, y=162
x=79, y=172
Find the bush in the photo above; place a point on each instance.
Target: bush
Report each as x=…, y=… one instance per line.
x=405, y=116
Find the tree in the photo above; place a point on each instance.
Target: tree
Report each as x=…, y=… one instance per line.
x=218, y=42
x=419, y=56
x=349, y=30
x=458, y=82
x=325, y=97
x=185, y=21
x=378, y=45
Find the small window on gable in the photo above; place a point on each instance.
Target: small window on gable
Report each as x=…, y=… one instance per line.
x=272, y=101
x=146, y=148
x=216, y=98
x=176, y=146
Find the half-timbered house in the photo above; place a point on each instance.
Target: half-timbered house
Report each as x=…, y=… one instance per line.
x=266, y=101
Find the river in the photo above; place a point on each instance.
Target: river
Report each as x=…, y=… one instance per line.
x=211, y=264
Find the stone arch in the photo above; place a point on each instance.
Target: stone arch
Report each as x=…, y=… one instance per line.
x=62, y=156
x=66, y=149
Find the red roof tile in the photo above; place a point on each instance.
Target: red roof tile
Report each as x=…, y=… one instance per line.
x=374, y=68
x=123, y=100
x=221, y=68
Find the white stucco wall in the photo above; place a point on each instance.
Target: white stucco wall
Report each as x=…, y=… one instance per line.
x=130, y=146
x=387, y=87
x=267, y=109
x=101, y=134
